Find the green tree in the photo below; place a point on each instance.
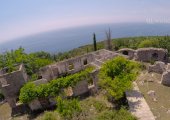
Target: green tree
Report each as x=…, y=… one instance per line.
x=94, y=42
x=116, y=76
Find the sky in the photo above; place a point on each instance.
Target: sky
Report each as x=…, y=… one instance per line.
x=26, y=17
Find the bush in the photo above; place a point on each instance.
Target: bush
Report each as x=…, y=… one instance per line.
x=68, y=108
x=116, y=76
x=28, y=93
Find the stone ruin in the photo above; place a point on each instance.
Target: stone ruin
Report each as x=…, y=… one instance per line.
x=158, y=67
x=146, y=54
x=157, y=55
x=166, y=76
x=10, y=83
x=161, y=68
x=128, y=52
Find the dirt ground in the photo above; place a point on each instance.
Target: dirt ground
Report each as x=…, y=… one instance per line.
x=161, y=106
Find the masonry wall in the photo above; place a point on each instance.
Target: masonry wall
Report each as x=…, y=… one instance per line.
x=128, y=52
x=70, y=66
x=149, y=54
x=11, y=84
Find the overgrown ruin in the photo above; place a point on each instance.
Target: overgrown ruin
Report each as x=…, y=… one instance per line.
x=11, y=83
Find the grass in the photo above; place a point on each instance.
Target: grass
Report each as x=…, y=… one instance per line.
x=162, y=105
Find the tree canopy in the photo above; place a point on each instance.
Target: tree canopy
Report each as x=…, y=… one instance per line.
x=116, y=76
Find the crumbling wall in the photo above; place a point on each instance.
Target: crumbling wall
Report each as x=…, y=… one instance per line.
x=11, y=83
x=69, y=66
x=80, y=88
x=128, y=52
x=151, y=54
x=158, y=67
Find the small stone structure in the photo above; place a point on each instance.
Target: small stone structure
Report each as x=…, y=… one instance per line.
x=158, y=67
x=10, y=84
x=166, y=78
x=146, y=54
x=152, y=54
x=128, y=52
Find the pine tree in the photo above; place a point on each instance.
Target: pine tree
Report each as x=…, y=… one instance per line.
x=94, y=42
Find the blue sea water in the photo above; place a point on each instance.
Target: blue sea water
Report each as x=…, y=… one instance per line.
x=67, y=39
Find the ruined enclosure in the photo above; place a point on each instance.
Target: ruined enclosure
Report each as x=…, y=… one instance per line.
x=10, y=84
x=146, y=54
x=152, y=54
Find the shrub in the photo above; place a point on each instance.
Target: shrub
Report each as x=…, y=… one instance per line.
x=68, y=108
x=28, y=93
x=116, y=76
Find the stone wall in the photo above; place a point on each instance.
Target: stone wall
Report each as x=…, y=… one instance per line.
x=11, y=83
x=158, y=67
x=128, y=52
x=146, y=54
x=80, y=88
x=151, y=54
x=69, y=66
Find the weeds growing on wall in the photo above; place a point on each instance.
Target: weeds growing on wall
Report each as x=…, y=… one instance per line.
x=30, y=91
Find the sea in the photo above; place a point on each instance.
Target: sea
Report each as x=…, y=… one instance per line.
x=66, y=39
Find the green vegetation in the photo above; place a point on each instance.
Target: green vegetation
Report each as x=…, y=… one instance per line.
x=116, y=76
x=130, y=42
x=148, y=43
x=68, y=108
x=50, y=116
x=88, y=109
x=30, y=91
x=32, y=61
x=121, y=114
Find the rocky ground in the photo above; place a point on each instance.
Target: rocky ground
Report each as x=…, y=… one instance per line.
x=156, y=94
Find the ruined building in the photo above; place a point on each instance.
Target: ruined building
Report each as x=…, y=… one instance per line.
x=10, y=83
x=146, y=54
